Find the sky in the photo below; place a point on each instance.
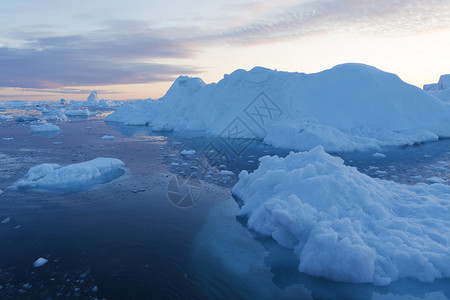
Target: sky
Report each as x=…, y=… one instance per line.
x=135, y=49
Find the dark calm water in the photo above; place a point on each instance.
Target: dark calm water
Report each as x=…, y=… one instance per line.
x=137, y=237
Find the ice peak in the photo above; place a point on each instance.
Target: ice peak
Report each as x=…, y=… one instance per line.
x=92, y=97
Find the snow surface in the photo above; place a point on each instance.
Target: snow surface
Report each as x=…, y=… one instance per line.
x=46, y=127
x=349, y=107
x=40, y=262
x=344, y=225
x=71, y=178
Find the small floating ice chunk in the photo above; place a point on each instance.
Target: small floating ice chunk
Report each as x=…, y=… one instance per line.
x=225, y=172
x=40, y=262
x=46, y=127
x=435, y=180
x=379, y=155
x=6, y=220
x=7, y=139
x=1, y=192
x=187, y=152
x=57, y=143
x=2, y=156
x=108, y=137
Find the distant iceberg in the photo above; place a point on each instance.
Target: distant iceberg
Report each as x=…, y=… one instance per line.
x=344, y=225
x=440, y=90
x=349, y=107
x=71, y=178
x=93, y=101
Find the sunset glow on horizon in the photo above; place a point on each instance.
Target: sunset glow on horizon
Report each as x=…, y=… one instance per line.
x=51, y=49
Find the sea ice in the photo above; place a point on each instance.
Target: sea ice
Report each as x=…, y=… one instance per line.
x=6, y=220
x=25, y=118
x=344, y=225
x=187, y=152
x=40, y=262
x=46, y=127
x=108, y=137
x=71, y=178
x=435, y=180
x=78, y=113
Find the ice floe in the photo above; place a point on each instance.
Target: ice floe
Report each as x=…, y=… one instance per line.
x=71, y=178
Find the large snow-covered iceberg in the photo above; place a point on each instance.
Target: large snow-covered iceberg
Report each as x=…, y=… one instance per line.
x=349, y=107
x=344, y=225
x=71, y=178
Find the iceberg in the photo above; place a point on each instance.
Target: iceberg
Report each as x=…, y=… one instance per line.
x=77, y=112
x=349, y=107
x=71, y=178
x=46, y=127
x=344, y=225
x=440, y=90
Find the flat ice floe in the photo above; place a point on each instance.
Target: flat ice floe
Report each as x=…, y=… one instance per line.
x=78, y=112
x=46, y=127
x=71, y=178
x=344, y=225
x=349, y=107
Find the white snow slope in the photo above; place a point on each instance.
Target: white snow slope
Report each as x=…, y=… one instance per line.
x=349, y=107
x=344, y=225
x=71, y=178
